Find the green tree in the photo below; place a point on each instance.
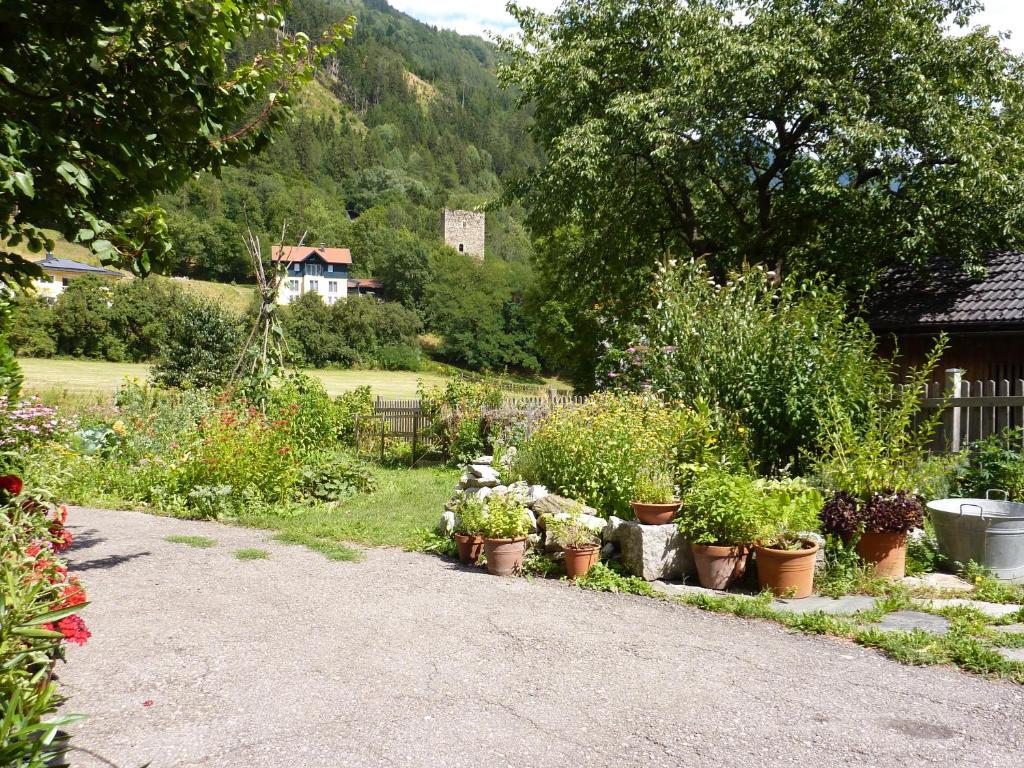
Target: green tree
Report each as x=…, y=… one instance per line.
x=805, y=135
x=201, y=347
x=108, y=104
x=83, y=320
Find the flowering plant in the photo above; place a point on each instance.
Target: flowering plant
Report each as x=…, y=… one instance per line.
x=39, y=607
x=26, y=423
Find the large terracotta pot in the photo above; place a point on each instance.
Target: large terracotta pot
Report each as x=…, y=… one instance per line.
x=718, y=567
x=469, y=548
x=886, y=551
x=579, y=561
x=505, y=556
x=655, y=514
x=787, y=572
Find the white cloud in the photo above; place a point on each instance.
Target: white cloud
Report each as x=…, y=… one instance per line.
x=1004, y=16
x=470, y=17
x=480, y=17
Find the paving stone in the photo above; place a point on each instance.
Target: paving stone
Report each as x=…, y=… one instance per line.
x=994, y=610
x=1010, y=629
x=842, y=606
x=1011, y=654
x=906, y=621
x=939, y=581
x=675, y=589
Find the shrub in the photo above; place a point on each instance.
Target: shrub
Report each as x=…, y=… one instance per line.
x=790, y=509
x=885, y=443
x=996, y=462
x=398, y=358
x=28, y=423
x=201, y=348
x=455, y=413
x=310, y=413
x=598, y=451
x=349, y=407
x=768, y=355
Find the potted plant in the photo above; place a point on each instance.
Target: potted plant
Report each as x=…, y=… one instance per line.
x=469, y=522
x=505, y=526
x=877, y=527
x=654, y=498
x=785, y=557
x=581, y=544
x=719, y=520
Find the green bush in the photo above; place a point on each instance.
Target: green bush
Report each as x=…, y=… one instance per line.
x=455, y=413
x=311, y=415
x=996, y=462
x=335, y=477
x=349, y=408
x=398, y=358
x=201, y=348
x=598, y=452
x=768, y=356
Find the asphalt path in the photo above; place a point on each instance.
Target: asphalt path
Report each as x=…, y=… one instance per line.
x=404, y=659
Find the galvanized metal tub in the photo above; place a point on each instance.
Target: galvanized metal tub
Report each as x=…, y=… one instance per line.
x=988, y=531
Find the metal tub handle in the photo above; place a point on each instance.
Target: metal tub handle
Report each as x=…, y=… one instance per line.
x=990, y=491
x=981, y=510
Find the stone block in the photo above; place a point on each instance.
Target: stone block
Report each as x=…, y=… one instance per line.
x=655, y=551
x=554, y=505
x=446, y=525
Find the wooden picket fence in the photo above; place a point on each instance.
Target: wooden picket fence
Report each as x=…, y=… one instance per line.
x=973, y=410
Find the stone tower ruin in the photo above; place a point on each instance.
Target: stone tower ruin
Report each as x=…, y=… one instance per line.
x=464, y=231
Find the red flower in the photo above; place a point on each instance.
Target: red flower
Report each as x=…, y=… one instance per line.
x=33, y=549
x=65, y=539
x=74, y=594
x=74, y=629
x=12, y=484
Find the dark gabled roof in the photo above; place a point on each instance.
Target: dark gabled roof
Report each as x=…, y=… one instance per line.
x=51, y=262
x=944, y=296
x=364, y=282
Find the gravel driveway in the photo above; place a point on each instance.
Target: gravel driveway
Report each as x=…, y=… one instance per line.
x=198, y=659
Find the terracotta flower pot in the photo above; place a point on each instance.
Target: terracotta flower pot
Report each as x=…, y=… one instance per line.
x=505, y=556
x=886, y=551
x=579, y=561
x=655, y=514
x=469, y=548
x=787, y=572
x=718, y=567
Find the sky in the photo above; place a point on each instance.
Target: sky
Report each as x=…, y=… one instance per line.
x=480, y=17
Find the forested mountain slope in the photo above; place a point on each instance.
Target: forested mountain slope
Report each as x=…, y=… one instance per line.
x=414, y=120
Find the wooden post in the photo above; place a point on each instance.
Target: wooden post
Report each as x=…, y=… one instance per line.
x=382, y=438
x=951, y=418
x=415, y=433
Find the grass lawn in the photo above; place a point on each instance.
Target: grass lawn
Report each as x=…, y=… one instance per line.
x=99, y=379
x=406, y=503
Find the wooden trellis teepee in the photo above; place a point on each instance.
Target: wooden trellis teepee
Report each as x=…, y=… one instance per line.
x=263, y=353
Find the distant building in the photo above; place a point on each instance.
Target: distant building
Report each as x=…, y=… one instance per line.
x=58, y=274
x=982, y=316
x=364, y=286
x=465, y=231
x=313, y=269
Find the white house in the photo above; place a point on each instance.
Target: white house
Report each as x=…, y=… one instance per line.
x=58, y=273
x=313, y=269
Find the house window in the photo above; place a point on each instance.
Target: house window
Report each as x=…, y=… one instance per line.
x=461, y=248
x=64, y=282
x=314, y=269
x=312, y=285
x=332, y=286
x=330, y=267
x=293, y=285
